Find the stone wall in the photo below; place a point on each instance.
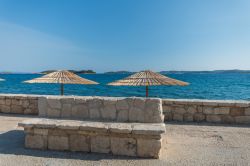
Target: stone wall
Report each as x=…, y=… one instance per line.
x=215, y=111
x=144, y=110
x=128, y=109
x=19, y=104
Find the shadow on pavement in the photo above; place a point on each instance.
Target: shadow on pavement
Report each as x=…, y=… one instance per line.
x=207, y=124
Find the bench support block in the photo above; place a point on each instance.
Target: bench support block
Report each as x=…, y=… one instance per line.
x=88, y=141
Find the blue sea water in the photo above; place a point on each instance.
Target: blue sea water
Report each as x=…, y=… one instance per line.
x=202, y=86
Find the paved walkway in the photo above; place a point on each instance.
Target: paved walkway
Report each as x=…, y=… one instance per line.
x=188, y=144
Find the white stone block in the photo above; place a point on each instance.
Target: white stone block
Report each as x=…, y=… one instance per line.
x=100, y=144
x=149, y=148
x=58, y=143
x=123, y=146
x=42, y=106
x=35, y=141
x=79, y=143
x=222, y=111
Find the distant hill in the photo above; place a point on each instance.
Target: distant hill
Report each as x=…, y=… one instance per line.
x=73, y=71
x=119, y=72
x=129, y=72
x=206, y=72
x=185, y=72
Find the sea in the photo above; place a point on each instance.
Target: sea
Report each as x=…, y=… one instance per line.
x=219, y=86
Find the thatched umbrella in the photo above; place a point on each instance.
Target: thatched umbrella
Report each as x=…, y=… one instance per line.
x=147, y=78
x=61, y=77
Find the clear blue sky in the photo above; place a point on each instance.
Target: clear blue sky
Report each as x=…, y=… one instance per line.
x=133, y=35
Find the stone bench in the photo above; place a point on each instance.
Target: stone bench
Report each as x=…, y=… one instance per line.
x=120, y=126
x=129, y=139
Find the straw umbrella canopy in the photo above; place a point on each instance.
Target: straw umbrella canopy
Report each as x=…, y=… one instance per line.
x=61, y=77
x=147, y=78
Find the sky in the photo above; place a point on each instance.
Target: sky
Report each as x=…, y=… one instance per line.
x=134, y=35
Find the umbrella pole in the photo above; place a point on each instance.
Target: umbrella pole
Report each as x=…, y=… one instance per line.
x=62, y=89
x=147, y=91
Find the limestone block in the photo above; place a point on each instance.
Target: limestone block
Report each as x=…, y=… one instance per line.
x=227, y=119
x=2, y=101
x=94, y=127
x=80, y=111
x=122, y=115
x=198, y=117
x=38, y=131
x=69, y=125
x=213, y=118
x=123, y=146
x=122, y=105
x=36, y=141
x=168, y=117
x=108, y=112
x=139, y=103
x=100, y=144
x=167, y=109
x=191, y=109
x=167, y=102
x=95, y=103
x=242, y=104
x=222, y=111
x=31, y=111
x=227, y=103
x=247, y=111
x=5, y=108
x=180, y=102
x=153, y=111
x=208, y=110
x=178, y=117
x=236, y=111
x=19, y=97
x=188, y=117
x=58, y=132
x=58, y=143
x=149, y=148
x=42, y=106
x=124, y=128
x=153, y=104
x=130, y=101
x=25, y=103
x=94, y=113
x=32, y=103
x=79, y=143
x=8, y=102
x=242, y=119
x=54, y=103
x=210, y=103
x=53, y=113
x=72, y=101
x=179, y=110
x=66, y=111
x=149, y=129
x=16, y=102
x=109, y=101
x=200, y=109
x=136, y=115
x=153, y=116
x=42, y=123
x=16, y=109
